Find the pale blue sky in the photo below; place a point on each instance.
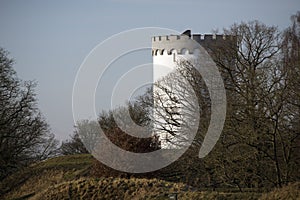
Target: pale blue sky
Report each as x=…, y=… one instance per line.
x=50, y=39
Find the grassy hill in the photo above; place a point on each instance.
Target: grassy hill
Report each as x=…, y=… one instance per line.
x=68, y=177
x=40, y=176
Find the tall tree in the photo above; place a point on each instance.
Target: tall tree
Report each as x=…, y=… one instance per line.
x=257, y=138
x=24, y=134
x=291, y=69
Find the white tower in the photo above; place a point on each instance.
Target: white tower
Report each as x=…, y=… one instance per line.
x=168, y=51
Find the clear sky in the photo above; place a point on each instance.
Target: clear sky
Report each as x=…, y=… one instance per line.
x=50, y=39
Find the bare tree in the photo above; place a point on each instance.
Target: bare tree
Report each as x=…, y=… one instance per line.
x=23, y=131
x=48, y=147
x=261, y=134
x=177, y=102
x=257, y=125
x=291, y=107
x=73, y=146
x=123, y=139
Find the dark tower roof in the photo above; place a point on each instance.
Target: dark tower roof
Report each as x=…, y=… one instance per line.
x=187, y=32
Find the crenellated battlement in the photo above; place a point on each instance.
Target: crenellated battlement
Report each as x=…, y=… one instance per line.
x=196, y=37
x=186, y=42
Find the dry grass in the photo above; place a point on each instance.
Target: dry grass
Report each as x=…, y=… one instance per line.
x=291, y=192
x=68, y=177
x=110, y=188
x=133, y=189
